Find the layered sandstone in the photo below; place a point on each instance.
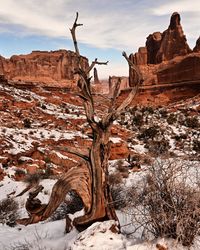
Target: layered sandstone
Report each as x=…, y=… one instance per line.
x=52, y=68
x=167, y=58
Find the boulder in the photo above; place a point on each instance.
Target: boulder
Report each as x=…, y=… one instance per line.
x=119, y=150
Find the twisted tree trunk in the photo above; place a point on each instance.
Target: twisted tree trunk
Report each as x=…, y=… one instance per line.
x=89, y=180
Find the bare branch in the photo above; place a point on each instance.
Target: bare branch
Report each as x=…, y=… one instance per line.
x=24, y=190
x=82, y=153
x=73, y=32
x=94, y=63
x=113, y=114
x=128, y=100
x=138, y=78
x=115, y=94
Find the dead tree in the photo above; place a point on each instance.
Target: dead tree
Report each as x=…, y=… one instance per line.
x=93, y=185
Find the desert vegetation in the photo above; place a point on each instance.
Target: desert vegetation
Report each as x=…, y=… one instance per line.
x=98, y=163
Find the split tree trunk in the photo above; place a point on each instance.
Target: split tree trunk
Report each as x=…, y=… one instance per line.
x=90, y=180
x=102, y=204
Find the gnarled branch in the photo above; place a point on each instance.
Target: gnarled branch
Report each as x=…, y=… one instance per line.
x=94, y=63
x=82, y=153
x=114, y=113
x=73, y=32
x=77, y=179
x=115, y=94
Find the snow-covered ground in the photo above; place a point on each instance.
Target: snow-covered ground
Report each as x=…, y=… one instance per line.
x=49, y=121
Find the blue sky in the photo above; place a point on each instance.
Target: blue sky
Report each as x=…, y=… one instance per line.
x=110, y=26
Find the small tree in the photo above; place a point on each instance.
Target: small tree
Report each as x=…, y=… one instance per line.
x=90, y=179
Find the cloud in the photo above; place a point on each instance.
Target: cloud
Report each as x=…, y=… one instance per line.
x=189, y=14
x=107, y=24
x=177, y=5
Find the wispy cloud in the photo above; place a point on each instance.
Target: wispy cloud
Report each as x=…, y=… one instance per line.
x=185, y=6
x=189, y=11
x=108, y=24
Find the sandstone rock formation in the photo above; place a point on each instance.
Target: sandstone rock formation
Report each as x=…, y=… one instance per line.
x=167, y=59
x=55, y=67
x=197, y=47
x=173, y=42
x=96, y=78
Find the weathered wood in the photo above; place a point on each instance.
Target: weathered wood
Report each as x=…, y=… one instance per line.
x=77, y=179
x=90, y=180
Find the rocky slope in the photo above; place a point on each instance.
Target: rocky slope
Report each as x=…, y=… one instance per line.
x=53, y=68
x=35, y=122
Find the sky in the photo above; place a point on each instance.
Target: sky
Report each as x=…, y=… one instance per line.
x=109, y=26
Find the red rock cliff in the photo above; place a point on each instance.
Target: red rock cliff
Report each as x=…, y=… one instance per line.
x=41, y=66
x=167, y=58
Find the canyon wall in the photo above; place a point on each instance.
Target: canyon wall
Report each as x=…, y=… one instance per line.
x=50, y=68
x=167, y=58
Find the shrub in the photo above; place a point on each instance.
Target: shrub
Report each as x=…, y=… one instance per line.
x=196, y=145
x=171, y=119
x=163, y=113
x=122, y=169
x=19, y=171
x=33, y=179
x=148, y=109
x=167, y=203
x=149, y=133
x=27, y=123
x=115, y=178
x=180, y=137
x=137, y=120
x=8, y=212
x=119, y=199
x=192, y=122
x=158, y=147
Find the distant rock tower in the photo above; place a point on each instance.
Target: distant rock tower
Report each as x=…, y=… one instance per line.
x=96, y=78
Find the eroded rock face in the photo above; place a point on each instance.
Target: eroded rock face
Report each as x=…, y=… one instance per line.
x=181, y=70
x=41, y=66
x=168, y=58
x=197, y=47
x=173, y=41
x=153, y=45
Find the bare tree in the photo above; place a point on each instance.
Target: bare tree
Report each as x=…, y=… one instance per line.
x=93, y=186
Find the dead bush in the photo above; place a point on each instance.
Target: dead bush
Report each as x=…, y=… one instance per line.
x=167, y=202
x=196, y=145
x=8, y=212
x=137, y=119
x=149, y=133
x=192, y=122
x=172, y=118
x=115, y=178
x=158, y=147
x=33, y=179
x=119, y=199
